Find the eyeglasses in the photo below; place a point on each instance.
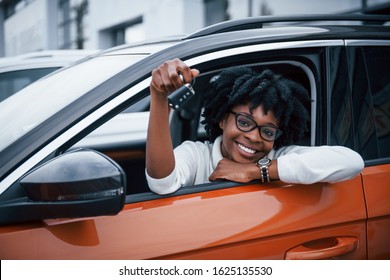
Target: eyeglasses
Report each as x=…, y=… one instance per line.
x=246, y=124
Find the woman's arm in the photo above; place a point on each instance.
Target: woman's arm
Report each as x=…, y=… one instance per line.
x=307, y=165
x=297, y=165
x=160, y=161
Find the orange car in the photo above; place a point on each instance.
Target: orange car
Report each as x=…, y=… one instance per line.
x=68, y=191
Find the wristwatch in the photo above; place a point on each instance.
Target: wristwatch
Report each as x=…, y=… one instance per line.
x=263, y=164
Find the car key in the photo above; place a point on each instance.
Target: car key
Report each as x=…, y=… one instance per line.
x=180, y=96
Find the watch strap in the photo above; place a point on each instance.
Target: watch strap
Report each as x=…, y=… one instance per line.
x=264, y=173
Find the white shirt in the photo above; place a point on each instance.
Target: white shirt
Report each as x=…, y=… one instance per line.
x=195, y=161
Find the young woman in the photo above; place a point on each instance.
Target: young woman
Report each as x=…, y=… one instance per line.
x=252, y=119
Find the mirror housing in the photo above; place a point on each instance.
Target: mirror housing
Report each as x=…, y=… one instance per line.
x=78, y=175
x=80, y=183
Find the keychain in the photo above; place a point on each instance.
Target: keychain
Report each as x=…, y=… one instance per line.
x=180, y=96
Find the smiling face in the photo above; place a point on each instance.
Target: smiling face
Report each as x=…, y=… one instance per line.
x=245, y=147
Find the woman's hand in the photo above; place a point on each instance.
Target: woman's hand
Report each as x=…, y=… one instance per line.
x=166, y=79
x=235, y=171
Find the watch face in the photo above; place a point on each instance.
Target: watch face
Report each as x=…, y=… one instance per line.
x=264, y=161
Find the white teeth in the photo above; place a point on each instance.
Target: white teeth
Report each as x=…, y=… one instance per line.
x=245, y=149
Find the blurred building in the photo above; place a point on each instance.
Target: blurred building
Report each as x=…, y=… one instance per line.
x=34, y=25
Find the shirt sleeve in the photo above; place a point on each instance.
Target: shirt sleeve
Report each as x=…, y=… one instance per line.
x=308, y=165
x=188, y=157
x=164, y=185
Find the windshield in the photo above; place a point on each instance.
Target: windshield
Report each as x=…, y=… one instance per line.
x=34, y=104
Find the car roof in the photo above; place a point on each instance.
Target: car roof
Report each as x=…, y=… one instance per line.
x=265, y=29
x=142, y=47
x=296, y=20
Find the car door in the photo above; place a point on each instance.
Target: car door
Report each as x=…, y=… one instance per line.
x=359, y=119
x=272, y=221
x=331, y=243
x=370, y=77
x=219, y=220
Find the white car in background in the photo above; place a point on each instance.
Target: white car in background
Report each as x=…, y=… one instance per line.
x=19, y=71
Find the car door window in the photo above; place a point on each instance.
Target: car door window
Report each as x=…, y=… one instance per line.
x=364, y=133
x=340, y=111
x=123, y=137
x=360, y=100
x=378, y=74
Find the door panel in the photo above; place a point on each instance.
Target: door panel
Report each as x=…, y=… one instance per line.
x=279, y=247
x=243, y=222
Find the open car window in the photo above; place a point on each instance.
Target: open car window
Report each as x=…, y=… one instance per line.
x=123, y=137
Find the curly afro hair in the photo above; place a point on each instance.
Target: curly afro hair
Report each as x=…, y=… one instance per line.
x=288, y=100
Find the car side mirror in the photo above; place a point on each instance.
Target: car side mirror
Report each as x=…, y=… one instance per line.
x=79, y=183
